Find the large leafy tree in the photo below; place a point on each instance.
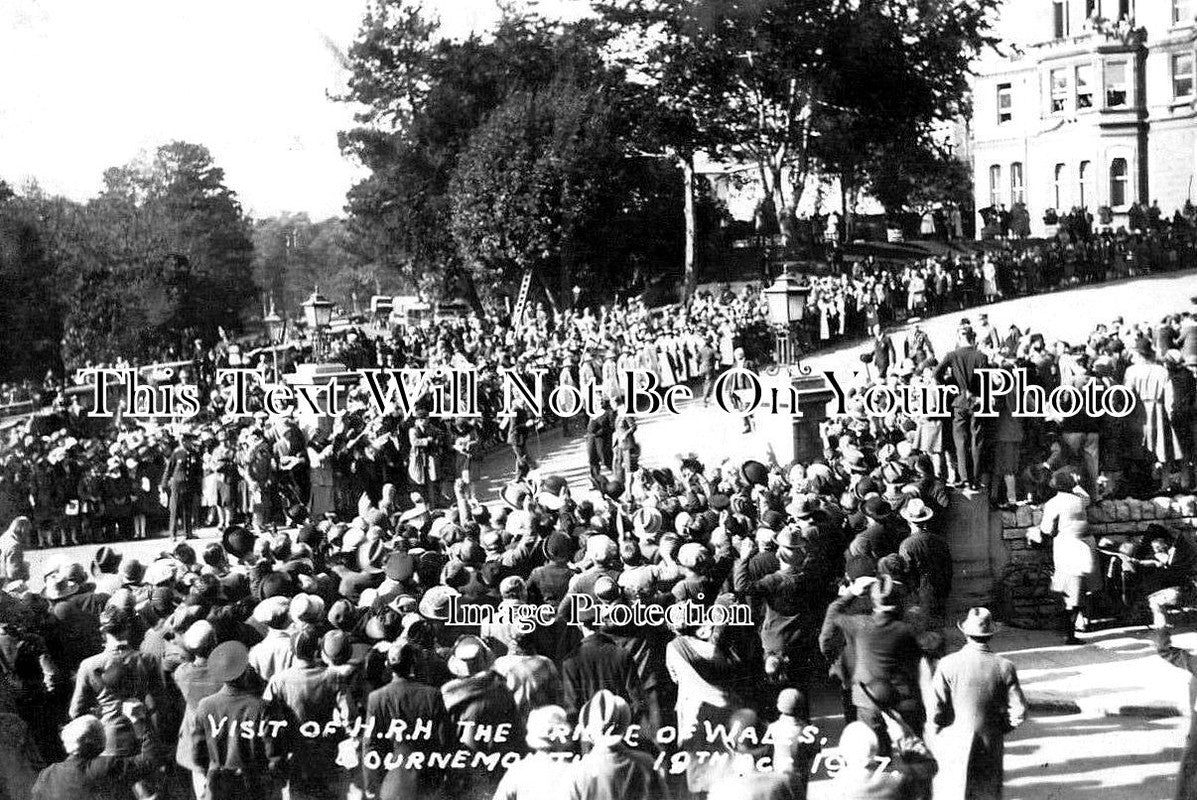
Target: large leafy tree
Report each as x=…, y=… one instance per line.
x=426, y=101
x=762, y=81
x=534, y=174
x=162, y=255
x=28, y=300
x=420, y=97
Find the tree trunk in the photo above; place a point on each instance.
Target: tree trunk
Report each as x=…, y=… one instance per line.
x=565, y=273
x=780, y=211
x=690, y=274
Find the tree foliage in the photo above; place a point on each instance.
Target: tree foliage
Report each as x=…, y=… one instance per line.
x=790, y=85
x=430, y=115
x=161, y=255
x=293, y=254
x=28, y=301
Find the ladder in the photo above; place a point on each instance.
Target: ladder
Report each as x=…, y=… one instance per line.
x=521, y=303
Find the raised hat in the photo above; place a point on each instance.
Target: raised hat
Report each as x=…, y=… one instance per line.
x=370, y=556
x=755, y=473
x=884, y=594
x=238, y=541
x=105, y=560
x=61, y=587
x=514, y=494
x=647, y=520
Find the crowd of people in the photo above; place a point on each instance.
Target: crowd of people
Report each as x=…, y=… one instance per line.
x=323, y=626
x=869, y=292
x=330, y=660
x=80, y=482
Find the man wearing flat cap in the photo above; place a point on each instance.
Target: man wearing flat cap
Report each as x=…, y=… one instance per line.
x=405, y=698
x=237, y=766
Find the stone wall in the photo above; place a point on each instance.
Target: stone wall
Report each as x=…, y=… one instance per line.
x=1022, y=590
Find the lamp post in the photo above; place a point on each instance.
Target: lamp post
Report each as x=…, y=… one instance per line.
x=786, y=300
x=276, y=330
x=317, y=313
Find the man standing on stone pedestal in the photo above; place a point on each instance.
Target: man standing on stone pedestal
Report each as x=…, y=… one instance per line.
x=959, y=368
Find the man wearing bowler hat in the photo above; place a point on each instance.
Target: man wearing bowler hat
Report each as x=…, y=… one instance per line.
x=239, y=766
x=978, y=701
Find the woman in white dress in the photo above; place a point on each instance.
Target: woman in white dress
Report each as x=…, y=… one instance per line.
x=1075, y=565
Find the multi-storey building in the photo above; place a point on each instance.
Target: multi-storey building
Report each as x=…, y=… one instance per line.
x=1089, y=103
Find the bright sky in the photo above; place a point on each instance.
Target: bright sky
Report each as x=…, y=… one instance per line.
x=88, y=85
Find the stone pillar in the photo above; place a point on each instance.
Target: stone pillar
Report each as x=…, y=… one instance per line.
x=793, y=433
x=320, y=375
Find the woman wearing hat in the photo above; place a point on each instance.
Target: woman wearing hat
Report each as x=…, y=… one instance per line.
x=1074, y=572
x=1152, y=415
x=541, y=775
x=612, y=769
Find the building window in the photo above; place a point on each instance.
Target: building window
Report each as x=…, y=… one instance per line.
x=1182, y=75
x=1084, y=86
x=1059, y=19
x=1118, y=182
x=1005, y=103
x=995, y=185
x=1116, y=84
x=1090, y=8
x=1059, y=89
x=1182, y=12
x=1016, y=187
x=1124, y=9
x=1084, y=174
x=1058, y=188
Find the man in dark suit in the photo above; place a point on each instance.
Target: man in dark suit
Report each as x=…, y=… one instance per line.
x=885, y=675
x=239, y=766
x=884, y=354
x=959, y=369
x=405, y=699
x=598, y=663
x=181, y=480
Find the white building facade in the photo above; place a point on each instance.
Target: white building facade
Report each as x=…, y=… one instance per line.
x=1091, y=104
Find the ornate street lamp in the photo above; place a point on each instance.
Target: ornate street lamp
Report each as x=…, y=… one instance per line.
x=786, y=300
x=317, y=313
x=276, y=331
